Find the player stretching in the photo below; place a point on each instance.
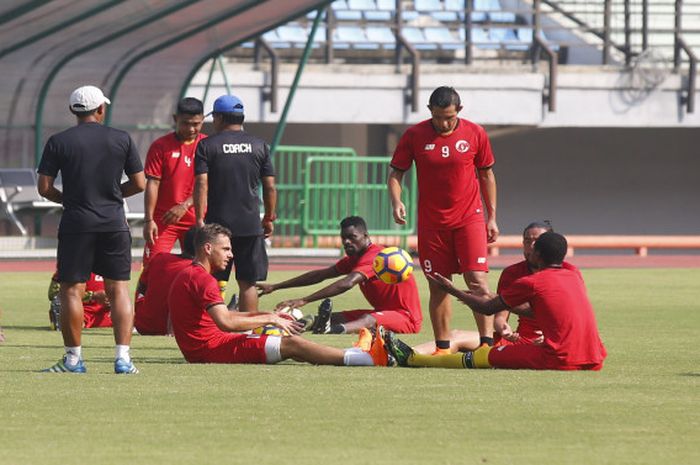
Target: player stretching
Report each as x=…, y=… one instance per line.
x=450, y=155
x=396, y=307
x=559, y=305
x=169, y=211
x=203, y=325
x=93, y=235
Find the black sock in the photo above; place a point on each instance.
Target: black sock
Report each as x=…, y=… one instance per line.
x=486, y=340
x=445, y=345
x=337, y=329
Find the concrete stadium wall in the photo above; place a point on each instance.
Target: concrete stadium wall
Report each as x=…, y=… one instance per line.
x=587, y=181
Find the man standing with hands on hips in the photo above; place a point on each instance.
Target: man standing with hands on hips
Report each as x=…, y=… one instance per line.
x=454, y=164
x=229, y=168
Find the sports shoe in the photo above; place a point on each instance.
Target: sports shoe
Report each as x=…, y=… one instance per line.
x=322, y=324
x=398, y=349
x=377, y=350
x=63, y=366
x=364, y=341
x=55, y=314
x=233, y=303
x=122, y=367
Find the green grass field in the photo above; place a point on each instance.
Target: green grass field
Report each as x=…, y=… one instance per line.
x=643, y=407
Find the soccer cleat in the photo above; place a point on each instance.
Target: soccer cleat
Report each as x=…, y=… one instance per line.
x=398, y=349
x=441, y=352
x=122, y=367
x=63, y=367
x=364, y=341
x=233, y=303
x=322, y=324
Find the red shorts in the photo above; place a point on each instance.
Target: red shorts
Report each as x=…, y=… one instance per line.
x=96, y=316
x=167, y=235
x=234, y=348
x=145, y=323
x=454, y=250
x=398, y=321
x=531, y=357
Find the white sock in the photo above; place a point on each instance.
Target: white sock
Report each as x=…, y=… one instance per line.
x=122, y=351
x=355, y=357
x=73, y=354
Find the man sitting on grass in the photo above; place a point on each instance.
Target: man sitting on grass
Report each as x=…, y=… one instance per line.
x=204, y=327
x=396, y=307
x=559, y=305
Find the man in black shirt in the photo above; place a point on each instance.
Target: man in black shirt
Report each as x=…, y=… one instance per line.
x=229, y=168
x=93, y=235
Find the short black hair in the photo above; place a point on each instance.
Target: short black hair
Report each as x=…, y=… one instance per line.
x=551, y=247
x=544, y=224
x=357, y=221
x=190, y=106
x=231, y=118
x=208, y=233
x=188, y=243
x=443, y=97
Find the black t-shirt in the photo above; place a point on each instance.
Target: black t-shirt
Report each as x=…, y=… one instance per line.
x=235, y=162
x=91, y=158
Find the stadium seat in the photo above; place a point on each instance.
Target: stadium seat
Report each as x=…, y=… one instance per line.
x=507, y=38
x=340, y=5
x=18, y=193
x=363, y=5
x=416, y=37
x=348, y=15
x=496, y=16
x=386, y=5
x=427, y=5
x=381, y=35
x=443, y=37
x=445, y=16
x=377, y=15
x=353, y=36
x=293, y=34
x=480, y=39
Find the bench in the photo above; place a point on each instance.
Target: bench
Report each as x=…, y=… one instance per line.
x=18, y=193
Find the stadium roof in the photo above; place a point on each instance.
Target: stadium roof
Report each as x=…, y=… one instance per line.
x=142, y=53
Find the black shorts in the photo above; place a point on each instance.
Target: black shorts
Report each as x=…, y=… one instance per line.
x=105, y=253
x=250, y=259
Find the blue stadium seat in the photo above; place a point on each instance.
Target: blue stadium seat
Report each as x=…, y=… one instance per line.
x=354, y=36
x=377, y=15
x=294, y=34
x=427, y=5
x=416, y=37
x=445, y=16
x=443, y=37
x=340, y=5
x=348, y=15
x=381, y=35
x=386, y=5
x=409, y=15
x=480, y=39
x=362, y=5
x=274, y=39
x=507, y=38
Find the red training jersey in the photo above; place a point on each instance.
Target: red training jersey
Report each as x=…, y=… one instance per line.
x=526, y=324
x=172, y=162
x=562, y=310
x=382, y=296
x=448, y=189
x=192, y=292
x=151, y=317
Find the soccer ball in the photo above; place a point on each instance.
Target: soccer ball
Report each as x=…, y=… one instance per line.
x=270, y=330
x=296, y=313
x=393, y=265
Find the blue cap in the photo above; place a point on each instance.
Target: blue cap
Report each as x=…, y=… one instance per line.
x=227, y=104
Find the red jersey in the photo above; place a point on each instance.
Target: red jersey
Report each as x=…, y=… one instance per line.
x=152, y=316
x=526, y=324
x=192, y=292
x=562, y=310
x=172, y=162
x=382, y=296
x=448, y=190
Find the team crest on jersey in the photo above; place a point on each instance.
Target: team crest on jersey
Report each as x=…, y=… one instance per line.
x=99, y=278
x=188, y=161
x=175, y=155
x=429, y=147
x=462, y=146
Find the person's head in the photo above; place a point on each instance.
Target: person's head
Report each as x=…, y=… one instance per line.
x=550, y=249
x=188, y=119
x=188, y=243
x=228, y=111
x=88, y=103
x=212, y=242
x=353, y=234
x=444, y=106
x=530, y=234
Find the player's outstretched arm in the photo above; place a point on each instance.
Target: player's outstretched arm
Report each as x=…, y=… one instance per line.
x=338, y=287
x=484, y=304
x=395, y=189
x=306, y=279
x=242, y=321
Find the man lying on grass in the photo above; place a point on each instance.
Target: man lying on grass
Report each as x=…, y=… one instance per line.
x=559, y=305
x=204, y=327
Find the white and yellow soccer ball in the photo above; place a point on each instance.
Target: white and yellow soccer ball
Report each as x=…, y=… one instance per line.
x=270, y=330
x=393, y=265
x=296, y=313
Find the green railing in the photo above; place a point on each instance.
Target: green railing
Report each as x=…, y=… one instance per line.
x=336, y=187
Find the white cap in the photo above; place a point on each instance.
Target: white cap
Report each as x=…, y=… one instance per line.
x=87, y=98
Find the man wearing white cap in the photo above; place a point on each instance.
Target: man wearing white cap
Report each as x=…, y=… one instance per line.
x=93, y=235
x=229, y=168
